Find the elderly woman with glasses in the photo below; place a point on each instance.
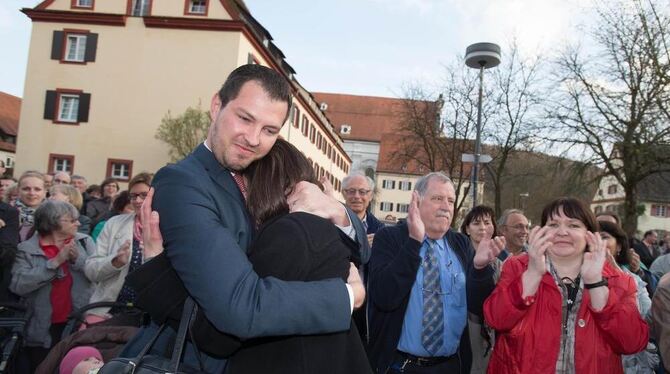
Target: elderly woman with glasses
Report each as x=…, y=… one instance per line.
x=119, y=251
x=49, y=274
x=561, y=307
x=69, y=194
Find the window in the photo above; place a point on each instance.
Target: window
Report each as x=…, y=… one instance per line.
x=658, y=210
x=598, y=209
x=139, y=8
x=611, y=208
x=312, y=133
x=612, y=189
x=119, y=169
x=388, y=184
x=304, y=126
x=385, y=206
x=196, y=7
x=318, y=140
x=60, y=163
x=74, y=46
x=405, y=185
x=295, y=117
x=67, y=106
x=82, y=4
x=402, y=208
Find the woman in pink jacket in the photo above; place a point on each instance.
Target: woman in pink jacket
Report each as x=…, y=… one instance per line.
x=561, y=308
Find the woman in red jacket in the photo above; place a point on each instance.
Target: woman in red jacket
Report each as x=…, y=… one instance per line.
x=561, y=308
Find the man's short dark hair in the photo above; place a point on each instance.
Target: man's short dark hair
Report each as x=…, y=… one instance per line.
x=648, y=233
x=273, y=83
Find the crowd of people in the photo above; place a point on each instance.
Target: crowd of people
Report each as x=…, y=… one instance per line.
x=285, y=278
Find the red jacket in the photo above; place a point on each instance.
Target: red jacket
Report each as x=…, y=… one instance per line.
x=528, y=338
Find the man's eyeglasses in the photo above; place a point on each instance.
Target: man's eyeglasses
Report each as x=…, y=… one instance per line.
x=352, y=191
x=519, y=227
x=134, y=196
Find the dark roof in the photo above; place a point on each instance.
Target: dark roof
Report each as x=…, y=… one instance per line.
x=655, y=188
x=10, y=109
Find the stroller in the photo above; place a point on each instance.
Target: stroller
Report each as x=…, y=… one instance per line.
x=108, y=336
x=12, y=323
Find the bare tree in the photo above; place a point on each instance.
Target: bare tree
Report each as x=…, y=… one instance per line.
x=612, y=104
x=184, y=132
x=516, y=96
x=438, y=128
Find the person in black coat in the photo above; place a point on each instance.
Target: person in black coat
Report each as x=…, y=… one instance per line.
x=296, y=247
x=9, y=239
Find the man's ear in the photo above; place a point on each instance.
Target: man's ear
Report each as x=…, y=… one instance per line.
x=215, y=107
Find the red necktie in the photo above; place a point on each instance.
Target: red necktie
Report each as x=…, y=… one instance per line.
x=239, y=180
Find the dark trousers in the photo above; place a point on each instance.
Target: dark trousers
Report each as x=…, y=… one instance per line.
x=402, y=365
x=31, y=357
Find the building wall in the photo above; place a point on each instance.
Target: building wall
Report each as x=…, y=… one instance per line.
x=139, y=74
x=363, y=154
x=647, y=222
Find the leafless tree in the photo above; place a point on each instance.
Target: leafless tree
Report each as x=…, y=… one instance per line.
x=516, y=99
x=612, y=103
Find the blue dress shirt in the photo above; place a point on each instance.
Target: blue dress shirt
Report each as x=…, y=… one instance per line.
x=452, y=280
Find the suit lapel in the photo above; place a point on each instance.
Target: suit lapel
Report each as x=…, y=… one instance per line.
x=222, y=177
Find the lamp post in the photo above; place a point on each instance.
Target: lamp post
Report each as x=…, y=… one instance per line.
x=480, y=56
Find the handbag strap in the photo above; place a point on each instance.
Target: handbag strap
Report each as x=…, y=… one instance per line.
x=180, y=340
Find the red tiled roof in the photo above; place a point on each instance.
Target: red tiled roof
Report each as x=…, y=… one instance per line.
x=393, y=157
x=369, y=117
x=10, y=108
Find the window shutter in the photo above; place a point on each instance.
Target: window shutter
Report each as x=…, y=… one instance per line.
x=84, y=103
x=91, y=47
x=50, y=105
x=57, y=46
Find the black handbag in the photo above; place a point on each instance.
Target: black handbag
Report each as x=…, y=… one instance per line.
x=145, y=363
x=161, y=294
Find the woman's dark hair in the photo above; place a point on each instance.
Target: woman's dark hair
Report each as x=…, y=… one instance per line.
x=120, y=201
x=621, y=240
x=479, y=212
x=572, y=208
x=109, y=181
x=273, y=177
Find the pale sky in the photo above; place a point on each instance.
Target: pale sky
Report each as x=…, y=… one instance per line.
x=366, y=47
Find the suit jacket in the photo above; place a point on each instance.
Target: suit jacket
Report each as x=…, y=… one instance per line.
x=393, y=266
x=206, y=230
x=302, y=247
x=374, y=224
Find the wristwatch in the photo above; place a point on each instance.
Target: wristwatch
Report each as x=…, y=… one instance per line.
x=589, y=286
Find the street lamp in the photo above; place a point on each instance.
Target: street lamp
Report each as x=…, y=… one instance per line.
x=480, y=56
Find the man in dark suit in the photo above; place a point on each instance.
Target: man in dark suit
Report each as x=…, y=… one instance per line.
x=421, y=274
x=206, y=228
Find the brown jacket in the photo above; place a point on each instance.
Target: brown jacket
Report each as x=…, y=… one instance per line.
x=660, y=318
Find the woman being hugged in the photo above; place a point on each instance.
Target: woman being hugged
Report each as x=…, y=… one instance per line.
x=562, y=308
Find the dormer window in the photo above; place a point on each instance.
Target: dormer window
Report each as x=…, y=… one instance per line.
x=196, y=7
x=82, y=4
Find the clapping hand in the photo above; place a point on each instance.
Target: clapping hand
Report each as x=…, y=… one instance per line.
x=152, y=240
x=633, y=261
x=488, y=250
x=594, y=259
x=538, y=244
x=417, y=230
x=122, y=255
